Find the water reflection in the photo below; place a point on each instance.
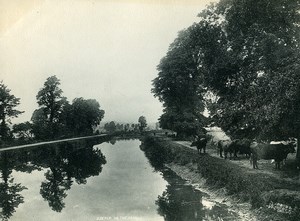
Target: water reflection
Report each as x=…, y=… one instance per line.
x=128, y=186
x=181, y=201
x=113, y=141
x=54, y=188
x=10, y=196
x=156, y=155
x=63, y=163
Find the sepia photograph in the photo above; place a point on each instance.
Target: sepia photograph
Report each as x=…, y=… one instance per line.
x=149, y=110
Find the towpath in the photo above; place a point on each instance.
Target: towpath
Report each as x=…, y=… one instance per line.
x=266, y=166
x=50, y=142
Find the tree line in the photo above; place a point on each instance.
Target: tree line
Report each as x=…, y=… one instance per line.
x=55, y=117
x=112, y=126
x=241, y=63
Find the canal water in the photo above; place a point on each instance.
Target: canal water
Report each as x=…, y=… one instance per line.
x=89, y=180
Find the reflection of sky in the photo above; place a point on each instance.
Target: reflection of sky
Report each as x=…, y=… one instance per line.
x=126, y=187
x=32, y=198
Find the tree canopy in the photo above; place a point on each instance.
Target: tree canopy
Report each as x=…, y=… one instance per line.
x=52, y=104
x=178, y=86
x=83, y=115
x=56, y=117
x=258, y=84
x=142, y=123
x=23, y=130
x=8, y=104
x=246, y=54
x=110, y=127
x=50, y=98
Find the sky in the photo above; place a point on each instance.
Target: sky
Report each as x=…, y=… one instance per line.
x=99, y=49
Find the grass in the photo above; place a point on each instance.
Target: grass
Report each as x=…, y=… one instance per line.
x=274, y=195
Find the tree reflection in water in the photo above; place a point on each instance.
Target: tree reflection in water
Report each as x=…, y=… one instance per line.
x=179, y=201
x=65, y=163
x=10, y=196
x=68, y=161
x=53, y=189
x=182, y=202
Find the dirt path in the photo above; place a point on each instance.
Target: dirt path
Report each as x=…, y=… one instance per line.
x=49, y=142
x=265, y=166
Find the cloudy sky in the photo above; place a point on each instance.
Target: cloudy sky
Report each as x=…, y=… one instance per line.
x=100, y=49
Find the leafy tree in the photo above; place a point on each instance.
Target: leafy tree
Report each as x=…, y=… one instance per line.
x=40, y=126
x=52, y=102
x=179, y=86
x=142, y=123
x=8, y=103
x=126, y=127
x=120, y=127
x=110, y=127
x=185, y=124
x=258, y=83
x=83, y=115
x=23, y=130
x=246, y=53
x=255, y=74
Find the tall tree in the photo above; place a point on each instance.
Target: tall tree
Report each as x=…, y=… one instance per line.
x=40, y=126
x=257, y=80
x=84, y=115
x=52, y=102
x=142, y=123
x=126, y=127
x=110, y=127
x=179, y=86
x=246, y=53
x=8, y=103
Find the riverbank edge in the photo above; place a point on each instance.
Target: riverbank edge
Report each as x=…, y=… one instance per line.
x=104, y=136
x=190, y=174
x=270, y=198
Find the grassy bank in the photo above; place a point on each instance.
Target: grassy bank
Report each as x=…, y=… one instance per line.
x=273, y=198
